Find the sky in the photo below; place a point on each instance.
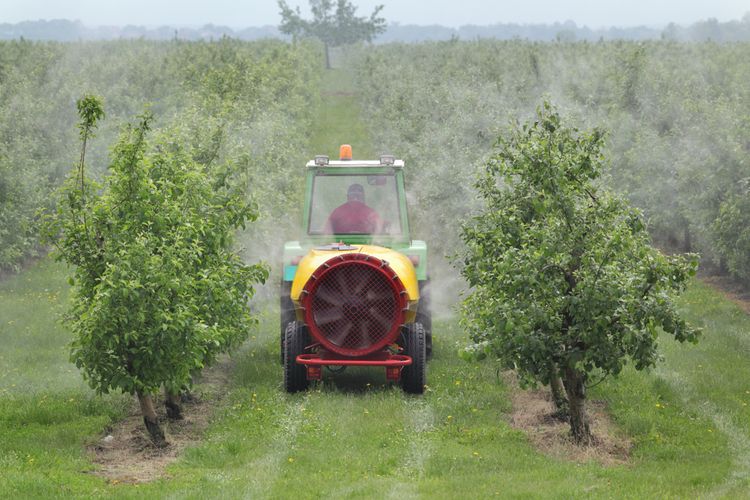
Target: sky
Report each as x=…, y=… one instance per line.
x=243, y=13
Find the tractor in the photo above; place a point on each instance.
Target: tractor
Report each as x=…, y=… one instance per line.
x=355, y=286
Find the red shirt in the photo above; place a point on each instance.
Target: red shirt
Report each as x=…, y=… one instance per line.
x=353, y=217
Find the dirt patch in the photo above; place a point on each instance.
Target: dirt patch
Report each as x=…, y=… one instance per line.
x=534, y=413
x=732, y=290
x=125, y=454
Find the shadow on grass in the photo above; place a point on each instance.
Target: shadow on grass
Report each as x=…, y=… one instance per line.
x=356, y=380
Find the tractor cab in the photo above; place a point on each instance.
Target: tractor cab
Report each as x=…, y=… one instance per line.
x=356, y=202
x=355, y=215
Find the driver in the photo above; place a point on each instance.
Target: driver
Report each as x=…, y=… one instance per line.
x=354, y=216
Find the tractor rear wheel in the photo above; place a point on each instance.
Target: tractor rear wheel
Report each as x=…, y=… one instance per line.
x=286, y=310
x=296, y=338
x=414, y=376
x=424, y=314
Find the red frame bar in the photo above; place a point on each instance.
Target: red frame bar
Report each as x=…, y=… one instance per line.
x=387, y=359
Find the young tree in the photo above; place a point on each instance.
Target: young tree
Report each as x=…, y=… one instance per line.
x=564, y=279
x=158, y=292
x=334, y=23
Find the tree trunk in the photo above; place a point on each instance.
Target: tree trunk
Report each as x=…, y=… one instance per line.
x=558, y=393
x=172, y=402
x=150, y=420
x=328, y=57
x=575, y=387
x=688, y=240
x=723, y=265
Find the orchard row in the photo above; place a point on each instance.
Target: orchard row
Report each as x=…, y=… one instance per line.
x=678, y=117
x=246, y=103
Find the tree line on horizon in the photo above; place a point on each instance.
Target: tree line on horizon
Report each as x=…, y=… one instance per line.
x=64, y=30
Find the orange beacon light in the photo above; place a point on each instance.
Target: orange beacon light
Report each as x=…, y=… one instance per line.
x=345, y=153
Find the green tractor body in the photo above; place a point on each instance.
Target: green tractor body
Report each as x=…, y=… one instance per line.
x=346, y=330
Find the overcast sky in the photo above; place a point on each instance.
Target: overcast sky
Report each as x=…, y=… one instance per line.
x=241, y=13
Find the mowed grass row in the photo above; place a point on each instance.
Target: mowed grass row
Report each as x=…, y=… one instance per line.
x=356, y=436
x=47, y=413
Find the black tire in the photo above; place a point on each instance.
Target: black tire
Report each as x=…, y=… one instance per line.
x=296, y=338
x=286, y=310
x=424, y=314
x=414, y=376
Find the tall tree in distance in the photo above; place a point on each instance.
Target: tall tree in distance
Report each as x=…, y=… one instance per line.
x=334, y=23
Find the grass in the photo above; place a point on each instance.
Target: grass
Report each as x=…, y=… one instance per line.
x=354, y=436
x=47, y=413
x=339, y=121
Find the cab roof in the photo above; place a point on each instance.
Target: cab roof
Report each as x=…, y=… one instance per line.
x=356, y=163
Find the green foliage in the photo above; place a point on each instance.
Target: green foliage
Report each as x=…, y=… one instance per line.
x=158, y=291
x=90, y=110
x=561, y=270
x=679, y=116
x=18, y=200
x=732, y=230
x=334, y=23
x=246, y=102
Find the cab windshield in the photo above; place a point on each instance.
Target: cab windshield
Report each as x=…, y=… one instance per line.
x=354, y=204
